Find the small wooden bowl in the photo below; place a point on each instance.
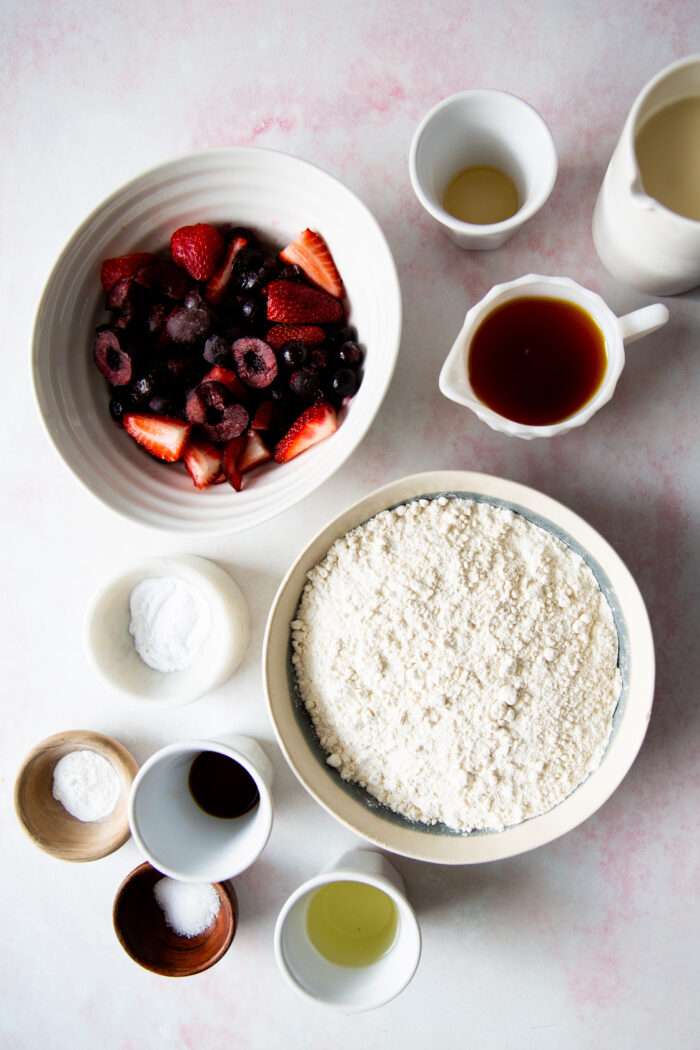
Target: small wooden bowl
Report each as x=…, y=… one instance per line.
x=139, y=923
x=43, y=817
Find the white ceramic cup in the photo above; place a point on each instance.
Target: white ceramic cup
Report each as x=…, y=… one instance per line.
x=346, y=988
x=617, y=331
x=482, y=127
x=176, y=835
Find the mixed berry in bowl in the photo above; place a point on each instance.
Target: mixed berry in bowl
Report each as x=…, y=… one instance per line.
x=226, y=354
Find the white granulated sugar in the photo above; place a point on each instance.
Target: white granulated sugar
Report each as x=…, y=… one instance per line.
x=459, y=662
x=189, y=907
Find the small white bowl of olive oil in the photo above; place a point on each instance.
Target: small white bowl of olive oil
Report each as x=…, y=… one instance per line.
x=348, y=938
x=482, y=163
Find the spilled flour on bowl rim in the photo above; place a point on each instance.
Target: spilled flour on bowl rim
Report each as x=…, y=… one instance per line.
x=457, y=661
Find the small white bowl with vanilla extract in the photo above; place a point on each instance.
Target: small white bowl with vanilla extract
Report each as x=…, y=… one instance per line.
x=482, y=163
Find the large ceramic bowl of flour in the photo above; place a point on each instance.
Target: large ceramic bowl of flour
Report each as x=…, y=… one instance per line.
x=458, y=668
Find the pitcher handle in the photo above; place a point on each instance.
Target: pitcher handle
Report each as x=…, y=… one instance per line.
x=642, y=322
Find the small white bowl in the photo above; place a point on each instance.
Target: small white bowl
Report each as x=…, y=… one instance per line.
x=353, y=806
x=275, y=194
x=114, y=656
x=176, y=835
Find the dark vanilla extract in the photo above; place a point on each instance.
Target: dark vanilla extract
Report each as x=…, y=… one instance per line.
x=221, y=786
x=537, y=360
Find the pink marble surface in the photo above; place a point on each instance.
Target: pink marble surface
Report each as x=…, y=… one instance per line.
x=590, y=941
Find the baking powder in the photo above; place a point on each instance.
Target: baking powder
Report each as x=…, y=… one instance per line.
x=170, y=622
x=459, y=662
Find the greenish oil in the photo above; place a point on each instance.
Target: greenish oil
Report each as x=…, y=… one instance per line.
x=351, y=923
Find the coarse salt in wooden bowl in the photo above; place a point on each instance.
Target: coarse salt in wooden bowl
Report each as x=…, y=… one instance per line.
x=49, y=825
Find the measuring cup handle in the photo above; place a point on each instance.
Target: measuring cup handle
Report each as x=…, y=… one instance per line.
x=642, y=322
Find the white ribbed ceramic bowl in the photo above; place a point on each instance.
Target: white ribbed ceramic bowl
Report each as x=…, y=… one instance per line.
x=276, y=194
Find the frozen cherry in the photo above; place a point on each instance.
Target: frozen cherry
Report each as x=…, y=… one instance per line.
x=256, y=363
x=212, y=407
x=112, y=357
x=217, y=351
x=187, y=325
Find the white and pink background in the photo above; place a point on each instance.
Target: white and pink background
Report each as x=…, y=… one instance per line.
x=589, y=942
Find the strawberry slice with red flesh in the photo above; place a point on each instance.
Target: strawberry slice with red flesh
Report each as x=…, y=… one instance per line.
x=316, y=423
x=310, y=252
x=308, y=334
x=229, y=461
x=203, y=462
x=253, y=453
x=291, y=303
x=162, y=436
x=265, y=416
x=123, y=266
x=217, y=374
x=215, y=292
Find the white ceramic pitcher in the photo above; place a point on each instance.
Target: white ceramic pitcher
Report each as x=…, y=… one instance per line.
x=640, y=241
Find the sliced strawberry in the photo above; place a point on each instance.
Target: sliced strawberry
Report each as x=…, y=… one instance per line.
x=197, y=249
x=217, y=284
x=114, y=270
x=229, y=461
x=253, y=453
x=217, y=374
x=203, y=462
x=291, y=303
x=162, y=436
x=317, y=422
x=310, y=252
x=264, y=416
x=308, y=334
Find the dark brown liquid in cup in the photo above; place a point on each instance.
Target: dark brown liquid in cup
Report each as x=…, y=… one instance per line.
x=221, y=786
x=537, y=360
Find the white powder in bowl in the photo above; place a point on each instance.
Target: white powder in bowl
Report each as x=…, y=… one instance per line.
x=86, y=785
x=189, y=907
x=459, y=662
x=170, y=622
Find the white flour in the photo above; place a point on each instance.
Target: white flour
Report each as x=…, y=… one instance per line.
x=459, y=662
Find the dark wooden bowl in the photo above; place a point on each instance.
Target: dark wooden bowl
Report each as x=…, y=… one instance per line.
x=143, y=933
